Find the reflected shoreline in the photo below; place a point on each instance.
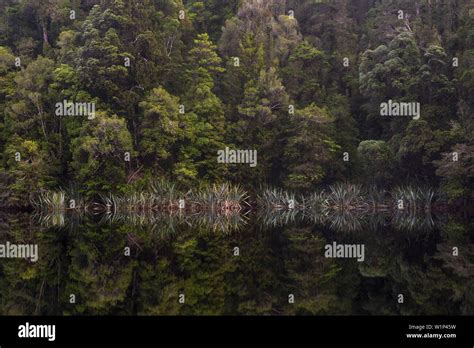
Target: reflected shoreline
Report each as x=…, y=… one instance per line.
x=226, y=208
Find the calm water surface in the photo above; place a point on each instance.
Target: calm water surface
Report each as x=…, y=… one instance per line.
x=249, y=265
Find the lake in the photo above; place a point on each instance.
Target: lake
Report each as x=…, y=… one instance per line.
x=245, y=263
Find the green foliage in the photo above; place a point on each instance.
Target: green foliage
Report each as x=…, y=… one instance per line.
x=160, y=128
x=236, y=66
x=309, y=152
x=457, y=170
x=99, y=153
x=28, y=165
x=377, y=161
x=227, y=74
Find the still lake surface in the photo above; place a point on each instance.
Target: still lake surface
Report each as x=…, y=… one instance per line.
x=250, y=265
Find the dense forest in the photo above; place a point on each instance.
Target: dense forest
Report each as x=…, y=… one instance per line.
x=128, y=103
x=173, y=82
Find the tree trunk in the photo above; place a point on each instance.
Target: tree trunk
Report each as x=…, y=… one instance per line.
x=45, y=32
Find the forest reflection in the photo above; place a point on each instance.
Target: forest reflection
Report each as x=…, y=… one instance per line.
x=279, y=253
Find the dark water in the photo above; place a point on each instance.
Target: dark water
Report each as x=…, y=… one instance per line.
x=85, y=256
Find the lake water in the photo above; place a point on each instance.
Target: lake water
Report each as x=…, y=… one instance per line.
x=240, y=265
